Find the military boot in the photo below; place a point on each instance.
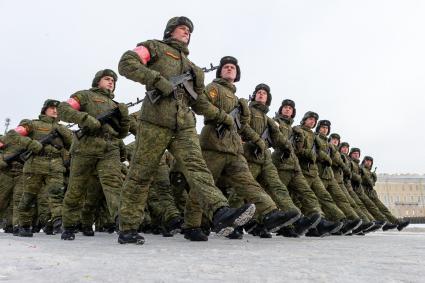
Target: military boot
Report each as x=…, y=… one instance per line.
x=377, y=225
x=350, y=225
x=402, y=225
x=389, y=226
x=287, y=232
x=16, y=230
x=261, y=231
x=87, y=231
x=302, y=225
x=364, y=227
x=277, y=219
x=325, y=228
x=174, y=226
x=195, y=235
x=68, y=233
x=225, y=219
x=131, y=237
x=25, y=231
x=237, y=234
x=8, y=229
x=48, y=229
x=250, y=226
x=57, y=225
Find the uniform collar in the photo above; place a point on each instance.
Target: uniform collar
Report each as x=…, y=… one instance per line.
x=47, y=119
x=104, y=92
x=180, y=46
x=263, y=108
x=226, y=84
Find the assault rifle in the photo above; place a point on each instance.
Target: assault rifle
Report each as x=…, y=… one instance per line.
x=221, y=129
x=180, y=80
x=106, y=117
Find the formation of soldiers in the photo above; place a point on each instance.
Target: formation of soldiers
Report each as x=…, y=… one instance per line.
x=225, y=180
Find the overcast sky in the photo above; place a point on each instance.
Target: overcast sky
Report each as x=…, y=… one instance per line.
x=359, y=64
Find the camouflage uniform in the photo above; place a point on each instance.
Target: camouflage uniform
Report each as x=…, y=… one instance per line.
x=368, y=182
x=167, y=124
x=324, y=163
x=97, y=151
x=44, y=169
x=290, y=174
x=304, y=140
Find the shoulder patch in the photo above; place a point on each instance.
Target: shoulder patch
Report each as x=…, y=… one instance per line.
x=213, y=94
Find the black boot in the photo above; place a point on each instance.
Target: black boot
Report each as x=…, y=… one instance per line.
x=250, y=226
x=402, y=225
x=260, y=231
x=174, y=226
x=302, y=225
x=195, y=234
x=226, y=218
x=377, y=226
x=130, y=237
x=8, y=229
x=57, y=225
x=87, y=231
x=364, y=227
x=68, y=234
x=314, y=232
x=389, y=226
x=237, y=234
x=325, y=228
x=287, y=232
x=48, y=229
x=16, y=230
x=277, y=219
x=25, y=231
x=350, y=225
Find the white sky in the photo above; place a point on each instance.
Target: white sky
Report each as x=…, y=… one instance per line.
x=359, y=64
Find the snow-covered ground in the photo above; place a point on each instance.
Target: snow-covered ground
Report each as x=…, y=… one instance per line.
x=378, y=257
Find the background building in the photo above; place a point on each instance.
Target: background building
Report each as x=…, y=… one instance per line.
x=404, y=195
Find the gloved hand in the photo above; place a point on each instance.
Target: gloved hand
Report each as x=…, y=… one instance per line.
x=198, y=78
x=3, y=164
x=347, y=172
x=261, y=145
x=245, y=113
x=310, y=155
x=123, y=109
x=164, y=86
x=228, y=121
x=91, y=123
x=327, y=161
x=35, y=146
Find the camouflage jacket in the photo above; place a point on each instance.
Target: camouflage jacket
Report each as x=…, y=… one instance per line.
x=50, y=159
x=94, y=102
x=13, y=143
x=356, y=178
x=168, y=59
x=221, y=93
x=305, y=148
x=368, y=178
x=282, y=162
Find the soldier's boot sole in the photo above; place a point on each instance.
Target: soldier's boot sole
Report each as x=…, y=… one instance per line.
x=285, y=219
x=243, y=215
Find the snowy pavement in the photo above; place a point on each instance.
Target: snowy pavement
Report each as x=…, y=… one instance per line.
x=379, y=257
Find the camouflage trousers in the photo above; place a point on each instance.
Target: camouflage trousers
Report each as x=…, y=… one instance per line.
x=373, y=196
x=300, y=191
x=359, y=203
x=353, y=204
x=233, y=171
x=11, y=188
x=83, y=168
x=331, y=210
x=35, y=185
x=151, y=143
x=370, y=205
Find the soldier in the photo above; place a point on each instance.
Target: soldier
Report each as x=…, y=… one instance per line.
x=44, y=169
x=170, y=123
x=324, y=163
x=97, y=151
x=290, y=174
x=368, y=182
x=339, y=168
x=262, y=167
x=223, y=150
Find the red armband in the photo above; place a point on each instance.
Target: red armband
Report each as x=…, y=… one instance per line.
x=74, y=103
x=1, y=145
x=144, y=54
x=21, y=130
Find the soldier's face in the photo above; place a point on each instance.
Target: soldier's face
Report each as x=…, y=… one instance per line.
x=344, y=149
x=107, y=82
x=324, y=130
x=355, y=155
x=228, y=72
x=310, y=122
x=287, y=111
x=261, y=96
x=181, y=33
x=335, y=142
x=51, y=112
x=367, y=163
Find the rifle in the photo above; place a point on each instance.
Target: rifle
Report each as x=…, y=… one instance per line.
x=180, y=80
x=105, y=117
x=266, y=137
x=237, y=123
